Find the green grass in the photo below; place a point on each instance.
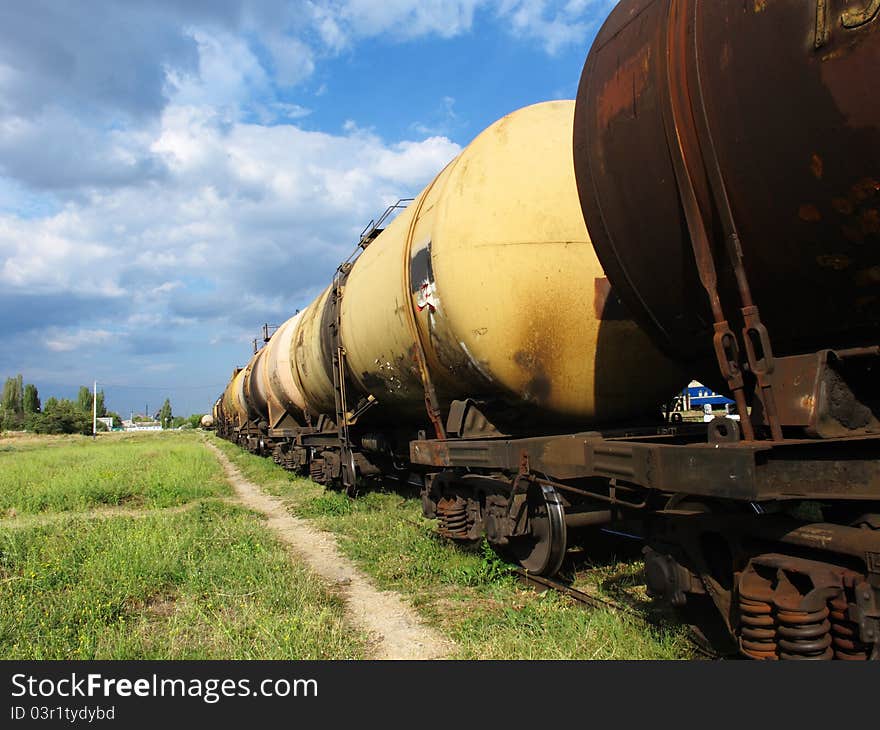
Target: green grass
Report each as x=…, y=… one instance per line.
x=206, y=583
x=178, y=574
x=467, y=594
x=144, y=470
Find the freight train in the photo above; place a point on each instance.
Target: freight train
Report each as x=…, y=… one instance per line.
x=708, y=207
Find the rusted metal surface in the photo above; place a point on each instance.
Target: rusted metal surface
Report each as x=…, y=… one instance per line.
x=727, y=157
x=842, y=468
x=795, y=131
x=830, y=393
x=793, y=608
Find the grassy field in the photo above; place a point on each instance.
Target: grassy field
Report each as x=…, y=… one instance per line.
x=468, y=595
x=128, y=548
x=132, y=470
x=132, y=547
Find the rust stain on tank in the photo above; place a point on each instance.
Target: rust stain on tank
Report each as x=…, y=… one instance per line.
x=853, y=235
x=864, y=189
x=838, y=262
x=843, y=206
x=846, y=72
x=817, y=167
x=538, y=355
x=725, y=56
x=870, y=221
x=809, y=213
x=538, y=387
x=868, y=277
x=620, y=94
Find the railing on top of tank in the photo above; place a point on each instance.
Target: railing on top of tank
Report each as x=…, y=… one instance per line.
x=375, y=227
x=268, y=331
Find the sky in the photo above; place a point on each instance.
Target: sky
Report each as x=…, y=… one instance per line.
x=175, y=173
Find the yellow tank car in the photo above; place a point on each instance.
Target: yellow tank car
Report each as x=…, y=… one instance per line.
x=277, y=372
x=492, y=269
x=234, y=405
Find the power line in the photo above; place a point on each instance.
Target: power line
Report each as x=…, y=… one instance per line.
x=163, y=387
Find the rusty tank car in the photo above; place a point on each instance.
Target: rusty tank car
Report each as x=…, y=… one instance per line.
x=708, y=207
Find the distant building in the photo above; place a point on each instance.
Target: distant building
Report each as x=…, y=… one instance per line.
x=130, y=425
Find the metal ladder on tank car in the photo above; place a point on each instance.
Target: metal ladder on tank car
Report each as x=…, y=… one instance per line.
x=348, y=467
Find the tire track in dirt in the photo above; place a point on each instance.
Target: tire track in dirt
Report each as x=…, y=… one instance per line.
x=397, y=630
x=13, y=519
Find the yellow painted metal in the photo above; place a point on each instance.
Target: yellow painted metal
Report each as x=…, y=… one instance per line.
x=282, y=392
x=233, y=400
x=311, y=365
x=492, y=268
x=254, y=389
x=490, y=279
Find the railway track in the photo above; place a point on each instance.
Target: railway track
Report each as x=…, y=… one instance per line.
x=540, y=583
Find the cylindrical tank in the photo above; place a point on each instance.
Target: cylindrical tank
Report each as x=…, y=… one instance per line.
x=254, y=387
x=492, y=270
x=207, y=421
x=782, y=104
x=277, y=369
x=233, y=401
x=312, y=354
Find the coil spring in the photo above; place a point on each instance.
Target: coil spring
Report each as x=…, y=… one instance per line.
x=452, y=518
x=804, y=634
x=845, y=633
x=758, y=628
x=280, y=456
x=316, y=470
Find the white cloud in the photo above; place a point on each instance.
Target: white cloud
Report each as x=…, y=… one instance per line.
x=229, y=74
x=293, y=59
x=554, y=24
x=160, y=181
x=404, y=19
x=245, y=213
x=60, y=341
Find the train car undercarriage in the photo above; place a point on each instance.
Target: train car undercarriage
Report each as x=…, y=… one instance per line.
x=782, y=538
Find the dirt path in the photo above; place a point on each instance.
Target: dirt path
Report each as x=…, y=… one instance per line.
x=396, y=628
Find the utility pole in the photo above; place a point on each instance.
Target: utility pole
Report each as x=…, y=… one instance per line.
x=95, y=411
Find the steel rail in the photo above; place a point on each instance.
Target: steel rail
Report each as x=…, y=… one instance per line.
x=596, y=602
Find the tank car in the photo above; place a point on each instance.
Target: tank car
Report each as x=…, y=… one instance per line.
x=710, y=211
x=745, y=242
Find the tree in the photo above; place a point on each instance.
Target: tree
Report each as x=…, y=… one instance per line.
x=62, y=416
x=13, y=392
x=165, y=414
x=31, y=399
x=11, y=404
x=84, y=399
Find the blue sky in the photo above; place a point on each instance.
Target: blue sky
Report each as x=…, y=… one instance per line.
x=173, y=174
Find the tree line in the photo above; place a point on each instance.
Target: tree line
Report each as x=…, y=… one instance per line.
x=21, y=410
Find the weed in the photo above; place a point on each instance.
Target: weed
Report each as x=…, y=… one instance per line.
x=468, y=593
x=205, y=583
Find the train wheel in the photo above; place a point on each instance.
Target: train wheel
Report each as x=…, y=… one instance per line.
x=541, y=551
